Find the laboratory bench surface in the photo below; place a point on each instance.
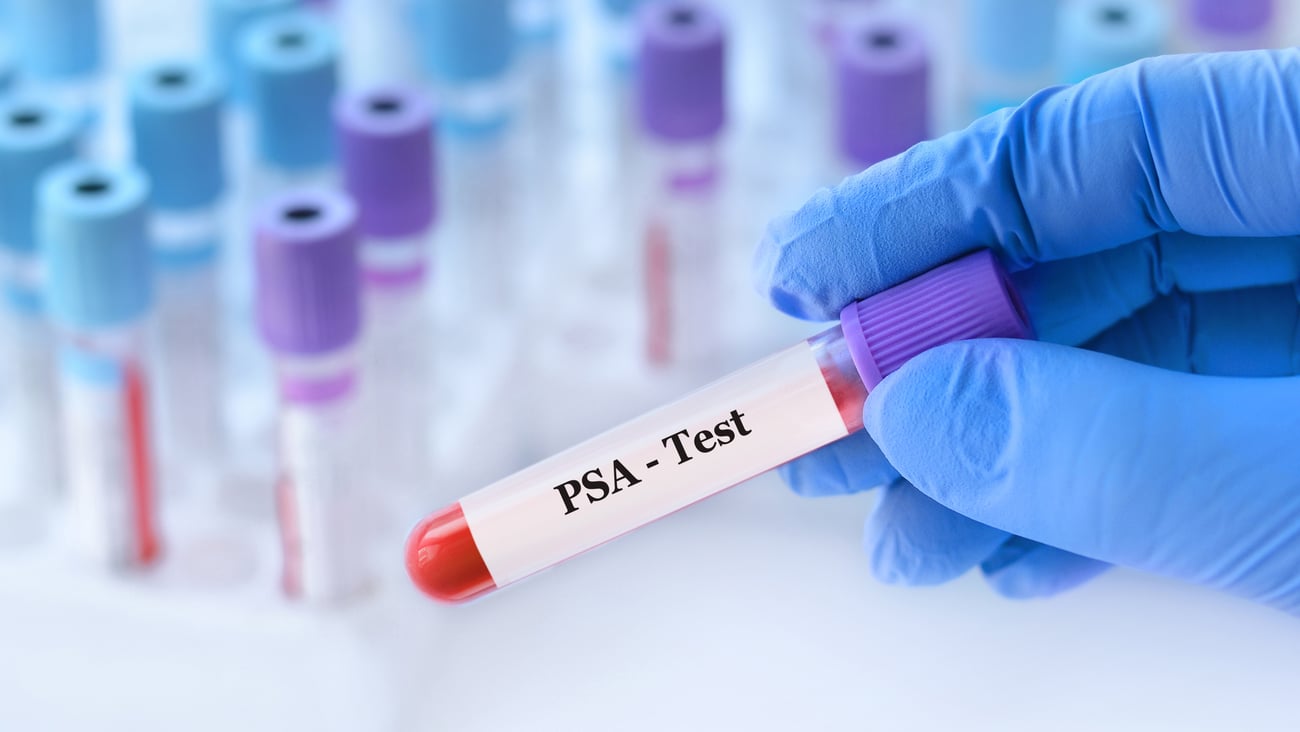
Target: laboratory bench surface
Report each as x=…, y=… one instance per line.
x=754, y=610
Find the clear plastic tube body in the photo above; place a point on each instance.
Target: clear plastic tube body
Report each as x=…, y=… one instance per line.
x=744, y=424
x=318, y=490
x=681, y=261
x=480, y=268
x=186, y=250
x=107, y=445
x=397, y=360
x=31, y=455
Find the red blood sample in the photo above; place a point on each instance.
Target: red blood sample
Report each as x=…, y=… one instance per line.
x=443, y=560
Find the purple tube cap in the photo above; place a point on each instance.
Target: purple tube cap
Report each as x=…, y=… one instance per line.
x=971, y=297
x=1233, y=16
x=681, y=73
x=882, y=73
x=387, y=152
x=308, y=280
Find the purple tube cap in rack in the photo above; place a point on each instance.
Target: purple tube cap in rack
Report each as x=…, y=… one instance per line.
x=386, y=141
x=1233, y=16
x=681, y=71
x=308, y=280
x=969, y=298
x=882, y=72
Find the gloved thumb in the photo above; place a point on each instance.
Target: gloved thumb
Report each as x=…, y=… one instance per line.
x=1194, y=477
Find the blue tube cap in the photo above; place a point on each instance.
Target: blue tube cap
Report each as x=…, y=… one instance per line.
x=465, y=42
x=56, y=39
x=620, y=8
x=226, y=22
x=35, y=135
x=176, y=133
x=93, y=224
x=1013, y=37
x=292, y=66
x=1100, y=35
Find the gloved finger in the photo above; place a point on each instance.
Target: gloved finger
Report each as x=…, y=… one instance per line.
x=1250, y=332
x=1073, y=300
x=1190, y=476
x=1234, y=333
x=1204, y=144
x=1022, y=569
x=849, y=465
x=912, y=540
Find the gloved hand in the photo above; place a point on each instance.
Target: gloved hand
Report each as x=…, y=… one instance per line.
x=1150, y=218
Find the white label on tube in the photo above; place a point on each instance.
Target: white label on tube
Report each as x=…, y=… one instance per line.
x=324, y=560
x=99, y=471
x=725, y=433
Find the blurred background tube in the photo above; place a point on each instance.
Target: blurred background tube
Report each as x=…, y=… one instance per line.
x=94, y=230
x=1010, y=48
x=309, y=317
x=35, y=135
x=1099, y=35
x=386, y=141
x=176, y=132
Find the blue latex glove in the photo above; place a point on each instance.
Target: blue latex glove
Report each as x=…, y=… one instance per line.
x=1149, y=215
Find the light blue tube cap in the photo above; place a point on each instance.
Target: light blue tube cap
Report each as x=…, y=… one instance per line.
x=1099, y=35
x=176, y=133
x=93, y=224
x=464, y=42
x=1013, y=37
x=56, y=39
x=35, y=135
x=292, y=66
x=620, y=8
x=226, y=22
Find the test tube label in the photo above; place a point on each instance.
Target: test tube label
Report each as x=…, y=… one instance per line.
x=109, y=470
x=767, y=414
x=318, y=520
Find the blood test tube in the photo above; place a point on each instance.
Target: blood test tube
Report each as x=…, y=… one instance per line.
x=309, y=315
x=681, y=100
x=883, y=90
x=35, y=136
x=749, y=422
x=176, y=131
x=387, y=155
x=94, y=236
x=1099, y=35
